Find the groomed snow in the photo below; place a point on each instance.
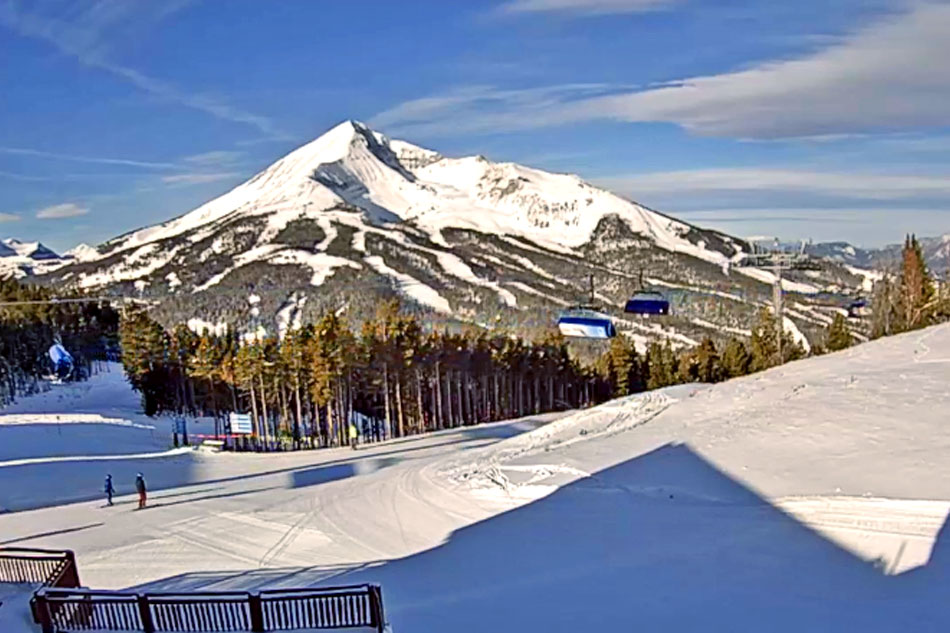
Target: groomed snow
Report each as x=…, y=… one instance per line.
x=813, y=496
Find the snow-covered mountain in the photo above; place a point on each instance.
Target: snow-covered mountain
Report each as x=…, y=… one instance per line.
x=843, y=252
x=936, y=253
x=21, y=259
x=353, y=216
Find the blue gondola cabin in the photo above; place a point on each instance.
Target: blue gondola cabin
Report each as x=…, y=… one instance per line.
x=647, y=303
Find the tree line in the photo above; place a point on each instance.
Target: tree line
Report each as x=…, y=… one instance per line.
x=390, y=376
x=87, y=330
x=626, y=371
x=393, y=378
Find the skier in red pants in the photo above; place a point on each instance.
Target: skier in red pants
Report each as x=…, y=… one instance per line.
x=140, y=487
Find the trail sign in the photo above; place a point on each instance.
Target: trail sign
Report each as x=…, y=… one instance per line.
x=241, y=423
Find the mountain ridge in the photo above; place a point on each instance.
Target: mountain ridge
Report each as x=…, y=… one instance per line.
x=353, y=216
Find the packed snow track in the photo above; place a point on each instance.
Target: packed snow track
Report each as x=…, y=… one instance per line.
x=812, y=497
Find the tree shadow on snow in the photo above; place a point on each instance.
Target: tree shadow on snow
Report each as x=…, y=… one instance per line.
x=69, y=530
x=335, y=472
x=661, y=542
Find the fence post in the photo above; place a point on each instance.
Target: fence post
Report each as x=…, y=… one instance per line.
x=257, y=612
x=72, y=575
x=41, y=615
x=376, y=606
x=145, y=614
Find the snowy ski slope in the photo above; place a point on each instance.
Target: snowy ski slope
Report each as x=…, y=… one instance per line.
x=810, y=497
x=393, y=182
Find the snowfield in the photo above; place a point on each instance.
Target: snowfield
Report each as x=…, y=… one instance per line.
x=810, y=497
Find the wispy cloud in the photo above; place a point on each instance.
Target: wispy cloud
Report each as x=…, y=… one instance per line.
x=479, y=109
x=82, y=29
x=60, y=211
x=217, y=157
x=23, y=177
x=8, y=217
x=882, y=78
x=584, y=7
x=198, y=178
x=854, y=185
x=19, y=151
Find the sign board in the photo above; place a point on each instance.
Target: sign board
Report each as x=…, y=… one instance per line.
x=241, y=423
x=180, y=425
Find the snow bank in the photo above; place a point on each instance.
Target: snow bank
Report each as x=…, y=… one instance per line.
x=610, y=418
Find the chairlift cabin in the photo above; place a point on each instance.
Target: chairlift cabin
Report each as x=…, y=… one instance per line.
x=586, y=323
x=647, y=302
x=858, y=308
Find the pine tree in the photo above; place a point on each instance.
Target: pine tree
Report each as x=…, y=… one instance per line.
x=763, y=343
x=661, y=364
x=838, y=334
x=736, y=359
x=622, y=368
x=885, y=315
x=708, y=364
x=916, y=295
x=203, y=365
x=330, y=348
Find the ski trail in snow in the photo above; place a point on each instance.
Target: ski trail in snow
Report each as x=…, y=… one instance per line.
x=922, y=343
x=94, y=458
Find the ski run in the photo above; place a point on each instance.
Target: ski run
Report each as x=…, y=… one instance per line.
x=810, y=497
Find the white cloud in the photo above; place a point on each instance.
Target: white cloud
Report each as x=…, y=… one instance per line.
x=217, y=157
x=60, y=211
x=882, y=78
x=479, y=109
x=83, y=29
x=889, y=76
x=197, y=178
x=855, y=185
x=19, y=151
x=584, y=7
x=8, y=217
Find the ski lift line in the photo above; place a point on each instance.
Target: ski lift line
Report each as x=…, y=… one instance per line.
x=5, y=304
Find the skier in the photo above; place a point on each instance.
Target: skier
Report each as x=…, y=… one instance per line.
x=140, y=487
x=109, y=489
x=354, y=436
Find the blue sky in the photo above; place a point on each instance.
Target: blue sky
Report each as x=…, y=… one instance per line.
x=807, y=119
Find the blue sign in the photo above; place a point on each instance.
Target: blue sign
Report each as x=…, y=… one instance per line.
x=180, y=425
x=241, y=423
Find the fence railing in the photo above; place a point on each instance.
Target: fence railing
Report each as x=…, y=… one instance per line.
x=51, y=568
x=68, y=611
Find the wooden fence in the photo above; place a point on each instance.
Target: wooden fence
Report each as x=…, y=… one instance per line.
x=50, y=568
x=353, y=607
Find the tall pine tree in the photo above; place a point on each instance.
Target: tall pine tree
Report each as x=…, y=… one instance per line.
x=838, y=334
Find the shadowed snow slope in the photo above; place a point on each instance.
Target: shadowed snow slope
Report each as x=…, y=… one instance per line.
x=811, y=497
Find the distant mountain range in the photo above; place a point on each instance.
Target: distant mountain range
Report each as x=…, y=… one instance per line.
x=21, y=259
x=936, y=253
x=354, y=216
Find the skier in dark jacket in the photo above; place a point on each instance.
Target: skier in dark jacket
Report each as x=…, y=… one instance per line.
x=140, y=487
x=109, y=489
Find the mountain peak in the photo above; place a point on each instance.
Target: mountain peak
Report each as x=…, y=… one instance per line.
x=32, y=250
